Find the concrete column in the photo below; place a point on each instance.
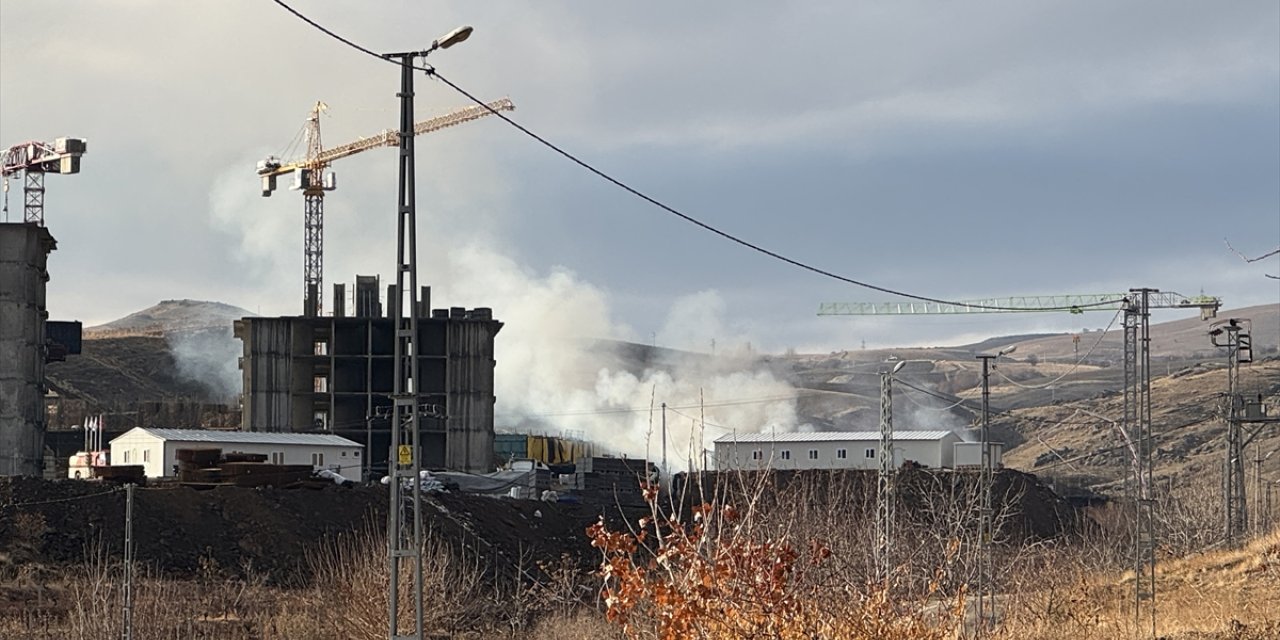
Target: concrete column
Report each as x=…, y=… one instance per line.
x=24, y=251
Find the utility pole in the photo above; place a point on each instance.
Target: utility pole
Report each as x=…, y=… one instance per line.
x=1137, y=410
x=664, y=438
x=404, y=461
x=884, y=480
x=1257, y=489
x=1233, y=334
x=404, y=513
x=986, y=609
x=368, y=399
x=128, y=561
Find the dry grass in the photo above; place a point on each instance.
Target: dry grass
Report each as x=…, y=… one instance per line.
x=791, y=564
x=347, y=600
x=1216, y=594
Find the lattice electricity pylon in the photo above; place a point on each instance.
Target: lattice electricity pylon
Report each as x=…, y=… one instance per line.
x=1137, y=416
x=1234, y=335
x=884, y=480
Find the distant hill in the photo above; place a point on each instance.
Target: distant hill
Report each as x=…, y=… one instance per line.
x=175, y=351
x=169, y=316
x=1184, y=339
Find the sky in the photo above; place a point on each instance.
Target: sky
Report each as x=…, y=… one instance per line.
x=949, y=150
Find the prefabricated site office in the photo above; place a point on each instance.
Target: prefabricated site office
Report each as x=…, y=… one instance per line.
x=938, y=449
x=157, y=449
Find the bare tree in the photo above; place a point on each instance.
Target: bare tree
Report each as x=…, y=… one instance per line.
x=1261, y=257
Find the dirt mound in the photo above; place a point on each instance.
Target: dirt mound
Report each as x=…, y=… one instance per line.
x=183, y=532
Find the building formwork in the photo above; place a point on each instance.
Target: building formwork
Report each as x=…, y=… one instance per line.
x=24, y=252
x=335, y=374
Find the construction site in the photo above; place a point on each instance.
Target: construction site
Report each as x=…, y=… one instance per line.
x=373, y=458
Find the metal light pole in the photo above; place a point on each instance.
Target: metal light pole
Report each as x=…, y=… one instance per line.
x=128, y=562
x=884, y=481
x=986, y=613
x=404, y=461
x=664, y=438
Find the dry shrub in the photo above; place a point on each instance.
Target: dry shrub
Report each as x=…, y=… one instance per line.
x=352, y=570
x=581, y=624
x=719, y=576
x=91, y=605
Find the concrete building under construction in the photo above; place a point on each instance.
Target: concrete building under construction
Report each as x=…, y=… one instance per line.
x=24, y=252
x=335, y=374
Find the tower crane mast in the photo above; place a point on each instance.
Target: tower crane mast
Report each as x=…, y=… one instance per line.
x=311, y=176
x=33, y=160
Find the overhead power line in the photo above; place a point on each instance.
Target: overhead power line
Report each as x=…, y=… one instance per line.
x=431, y=71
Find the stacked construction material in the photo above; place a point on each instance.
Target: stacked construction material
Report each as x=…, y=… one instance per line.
x=210, y=468
x=121, y=474
x=609, y=480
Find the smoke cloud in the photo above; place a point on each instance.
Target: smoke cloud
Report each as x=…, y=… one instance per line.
x=209, y=357
x=565, y=363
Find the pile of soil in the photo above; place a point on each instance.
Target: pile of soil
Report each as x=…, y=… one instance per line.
x=268, y=532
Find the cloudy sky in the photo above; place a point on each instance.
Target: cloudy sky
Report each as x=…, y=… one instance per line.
x=953, y=150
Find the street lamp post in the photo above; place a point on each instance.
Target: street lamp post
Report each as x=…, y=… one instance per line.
x=884, y=480
x=404, y=463
x=986, y=602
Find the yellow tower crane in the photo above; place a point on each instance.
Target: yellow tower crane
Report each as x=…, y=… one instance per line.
x=313, y=179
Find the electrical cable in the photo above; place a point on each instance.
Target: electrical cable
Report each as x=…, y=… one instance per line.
x=57, y=500
x=1006, y=413
x=432, y=72
x=1095, y=452
x=1070, y=370
x=702, y=421
x=959, y=401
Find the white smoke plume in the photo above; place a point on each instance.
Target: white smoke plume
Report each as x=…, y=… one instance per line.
x=557, y=368
x=558, y=373
x=209, y=357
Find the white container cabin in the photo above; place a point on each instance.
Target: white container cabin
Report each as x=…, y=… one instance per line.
x=156, y=449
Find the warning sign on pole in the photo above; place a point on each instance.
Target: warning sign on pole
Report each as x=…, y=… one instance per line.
x=405, y=454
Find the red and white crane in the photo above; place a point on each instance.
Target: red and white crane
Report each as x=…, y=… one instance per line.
x=33, y=160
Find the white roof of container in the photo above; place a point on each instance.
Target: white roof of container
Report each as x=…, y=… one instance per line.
x=833, y=436
x=213, y=436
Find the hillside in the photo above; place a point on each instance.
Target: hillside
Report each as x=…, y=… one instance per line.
x=1073, y=440
x=169, y=316
x=179, y=354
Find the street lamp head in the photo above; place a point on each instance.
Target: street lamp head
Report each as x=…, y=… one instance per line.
x=452, y=38
x=1008, y=351
x=898, y=367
